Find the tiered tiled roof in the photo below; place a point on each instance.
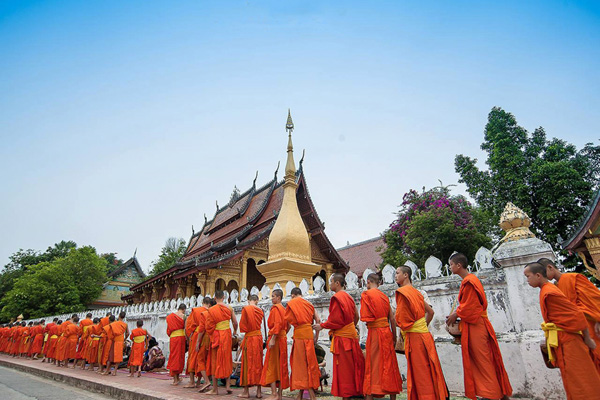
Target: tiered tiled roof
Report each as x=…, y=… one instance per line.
x=246, y=219
x=589, y=225
x=363, y=255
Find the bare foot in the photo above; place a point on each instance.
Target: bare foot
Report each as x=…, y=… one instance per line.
x=114, y=373
x=139, y=374
x=229, y=391
x=175, y=383
x=190, y=386
x=212, y=392
x=204, y=387
x=130, y=375
x=243, y=395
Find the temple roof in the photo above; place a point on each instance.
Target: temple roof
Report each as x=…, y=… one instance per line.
x=246, y=219
x=132, y=261
x=588, y=226
x=363, y=255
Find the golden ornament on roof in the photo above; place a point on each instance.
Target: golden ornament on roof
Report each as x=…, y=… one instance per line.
x=515, y=222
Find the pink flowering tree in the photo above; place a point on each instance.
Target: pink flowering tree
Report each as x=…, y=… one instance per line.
x=436, y=223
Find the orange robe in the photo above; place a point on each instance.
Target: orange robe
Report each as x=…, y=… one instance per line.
x=202, y=356
x=191, y=325
x=581, y=292
x=25, y=340
x=484, y=372
x=108, y=344
x=424, y=377
x=47, y=337
x=348, y=358
x=52, y=340
x=71, y=333
x=93, y=344
x=275, y=368
x=580, y=378
x=252, y=345
x=175, y=325
x=305, y=372
x=61, y=344
x=117, y=335
x=221, y=362
x=136, y=357
x=15, y=338
x=84, y=340
x=382, y=375
x=103, y=347
x=38, y=340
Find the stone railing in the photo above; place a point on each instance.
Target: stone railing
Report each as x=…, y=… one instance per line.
x=513, y=310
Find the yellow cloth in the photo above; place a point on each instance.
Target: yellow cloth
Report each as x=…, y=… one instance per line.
x=85, y=328
x=378, y=323
x=420, y=326
x=551, y=332
x=303, y=332
x=96, y=338
x=139, y=339
x=53, y=337
x=253, y=333
x=178, y=332
x=222, y=326
x=348, y=331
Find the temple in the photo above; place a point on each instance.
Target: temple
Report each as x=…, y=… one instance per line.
x=585, y=240
x=119, y=281
x=230, y=249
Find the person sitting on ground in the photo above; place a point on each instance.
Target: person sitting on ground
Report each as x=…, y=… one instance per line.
x=154, y=357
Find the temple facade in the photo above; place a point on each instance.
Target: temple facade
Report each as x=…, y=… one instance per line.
x=119, y=282
x=230, y=249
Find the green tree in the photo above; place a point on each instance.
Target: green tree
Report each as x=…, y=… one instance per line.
x=66, y=284
x=172, y=251
x=434, y=223
x=550, y=180
x=113, y=262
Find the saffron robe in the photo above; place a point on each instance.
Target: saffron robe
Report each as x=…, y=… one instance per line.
x=191, y=324
x=103, y=348
x=305, y=372
x=71, y=333
x=348, y=358
x=93, y=344
x=275, y=368
x=108, y=343
x=424, y=378
x=252, y=345
x=37, y=334
x=47, y=337
x=203, y=354
x=175, y=326
x=136, y=357
x=382, y=375
x=580, y=378
x=83, y=341
x=117, y=332
x=581, y=292
x=221, y=362
x=25, y=340
x=15, y=338
x=61, y=344
x=52, y=340
x=484, y=372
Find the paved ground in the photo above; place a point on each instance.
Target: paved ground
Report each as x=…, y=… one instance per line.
x=15, y=385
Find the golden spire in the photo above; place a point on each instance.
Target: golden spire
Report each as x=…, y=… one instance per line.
x=515, y=222
x=290, y=166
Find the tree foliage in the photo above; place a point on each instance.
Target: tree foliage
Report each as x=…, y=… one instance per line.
x=550, y=180
x=434, y=223
x=172, y=251
x=113, y=262
x=65, y=284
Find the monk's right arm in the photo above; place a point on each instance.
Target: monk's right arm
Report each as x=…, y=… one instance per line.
x=392, y=320
x=428, y=313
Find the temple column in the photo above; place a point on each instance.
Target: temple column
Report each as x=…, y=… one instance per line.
x=244, y=274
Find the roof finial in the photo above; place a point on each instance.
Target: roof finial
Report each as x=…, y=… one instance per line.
x=255, y=178
x=217, y=204
x=277, y=170
x=205, y=219
x=290, y=166
x=193, y=230
x=135, y=252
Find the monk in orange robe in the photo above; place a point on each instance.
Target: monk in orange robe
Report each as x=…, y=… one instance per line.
x=103, y=348
x=15, y=338
x=567, y=337
x=71, y=333
x=53, y=335
x=108, y=344
x=382, y=376
x=38, y=339
x=191, y=326
x=82, y=346
x=218, y=327
x=581, y=292
x=139, y=336
x=176, y=333
x=26, y=341
x=275, y=368
x=348, y=358
x=305, y=372
x=91, y=354
x=61, y=344
x=484, y=372
x=424, y=378
x=203, y=345
x=252, y=347
x=47, y=337
x=117, y=333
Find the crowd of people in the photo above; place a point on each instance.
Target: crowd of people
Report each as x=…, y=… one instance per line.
x=570, y=309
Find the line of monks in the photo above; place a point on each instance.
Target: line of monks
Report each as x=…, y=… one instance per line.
x=87, y=343
x=570, y=309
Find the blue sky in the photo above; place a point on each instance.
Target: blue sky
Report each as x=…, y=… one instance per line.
x=121, y=123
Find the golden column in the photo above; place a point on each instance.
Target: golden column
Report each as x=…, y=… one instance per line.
x=289, y=246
